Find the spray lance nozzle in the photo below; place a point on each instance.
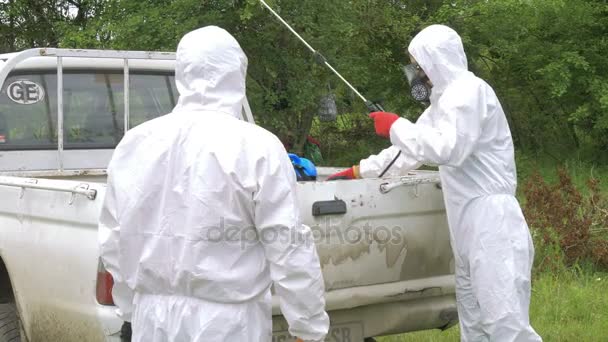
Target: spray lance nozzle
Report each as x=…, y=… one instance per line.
x=373, y=106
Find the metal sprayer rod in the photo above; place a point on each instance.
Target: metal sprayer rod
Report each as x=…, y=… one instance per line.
x=371, y=106
x=313, y=51
x=288, y=26
x=346, y=82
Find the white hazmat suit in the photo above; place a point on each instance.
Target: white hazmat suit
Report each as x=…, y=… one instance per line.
x=200, y=215
x=464, y=131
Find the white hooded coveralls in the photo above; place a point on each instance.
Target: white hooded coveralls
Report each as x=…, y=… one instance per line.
x=465, y=132
x=201, y=216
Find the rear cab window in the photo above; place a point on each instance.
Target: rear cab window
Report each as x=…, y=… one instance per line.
x=93, y=107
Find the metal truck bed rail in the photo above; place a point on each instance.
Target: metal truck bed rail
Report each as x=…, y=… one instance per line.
x=33, y=183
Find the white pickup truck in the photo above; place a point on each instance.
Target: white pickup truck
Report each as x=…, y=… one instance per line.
x=383, y=243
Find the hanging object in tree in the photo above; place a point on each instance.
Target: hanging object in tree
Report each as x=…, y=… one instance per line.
x=328, y=111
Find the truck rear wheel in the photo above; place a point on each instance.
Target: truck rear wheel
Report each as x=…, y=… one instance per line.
x=10, y=325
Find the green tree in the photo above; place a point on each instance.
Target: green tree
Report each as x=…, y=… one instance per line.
x=40, y=23
x=364, y=40
x=545, y=58
x=547, y=61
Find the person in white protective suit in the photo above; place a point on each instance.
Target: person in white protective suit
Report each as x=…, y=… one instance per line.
x=200, y=215
x=464, y=131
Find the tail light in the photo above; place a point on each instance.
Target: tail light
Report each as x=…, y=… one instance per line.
x=104, y=286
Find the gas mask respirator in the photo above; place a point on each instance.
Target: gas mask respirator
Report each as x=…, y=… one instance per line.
x=418, y=81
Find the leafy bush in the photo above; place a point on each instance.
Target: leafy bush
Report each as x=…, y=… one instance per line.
x=568, y=227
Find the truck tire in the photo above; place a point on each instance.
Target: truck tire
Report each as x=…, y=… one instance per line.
x=10, y=329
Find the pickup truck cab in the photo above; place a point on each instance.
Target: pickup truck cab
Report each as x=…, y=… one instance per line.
x=383, y=243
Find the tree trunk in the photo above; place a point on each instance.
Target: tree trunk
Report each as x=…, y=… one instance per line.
x=570, y=127
x=303, y=131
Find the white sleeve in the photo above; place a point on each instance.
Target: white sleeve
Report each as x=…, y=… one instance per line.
x=109, y=243
x=452, y=138
x=290, y=249
x=374, y=165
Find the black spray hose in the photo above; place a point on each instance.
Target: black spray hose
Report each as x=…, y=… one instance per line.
x=390, y=165
x=375, y=107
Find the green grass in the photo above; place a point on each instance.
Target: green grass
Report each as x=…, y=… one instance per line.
x=572, y=306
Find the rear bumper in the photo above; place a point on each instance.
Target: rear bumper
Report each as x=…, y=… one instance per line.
x=395, y=317
x=390, y=308
x=382, y=309
x=376, y=320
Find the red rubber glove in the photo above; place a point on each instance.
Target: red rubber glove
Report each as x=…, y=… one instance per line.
x=350, y=173
x=383, y=122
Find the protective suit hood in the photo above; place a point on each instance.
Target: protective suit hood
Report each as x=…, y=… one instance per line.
x=439, y=51
x=210, y=72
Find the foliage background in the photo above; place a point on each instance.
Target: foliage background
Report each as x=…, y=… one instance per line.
x=545, y=58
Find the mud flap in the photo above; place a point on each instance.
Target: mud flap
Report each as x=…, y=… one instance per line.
x=125, y=332
x=450, y=316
